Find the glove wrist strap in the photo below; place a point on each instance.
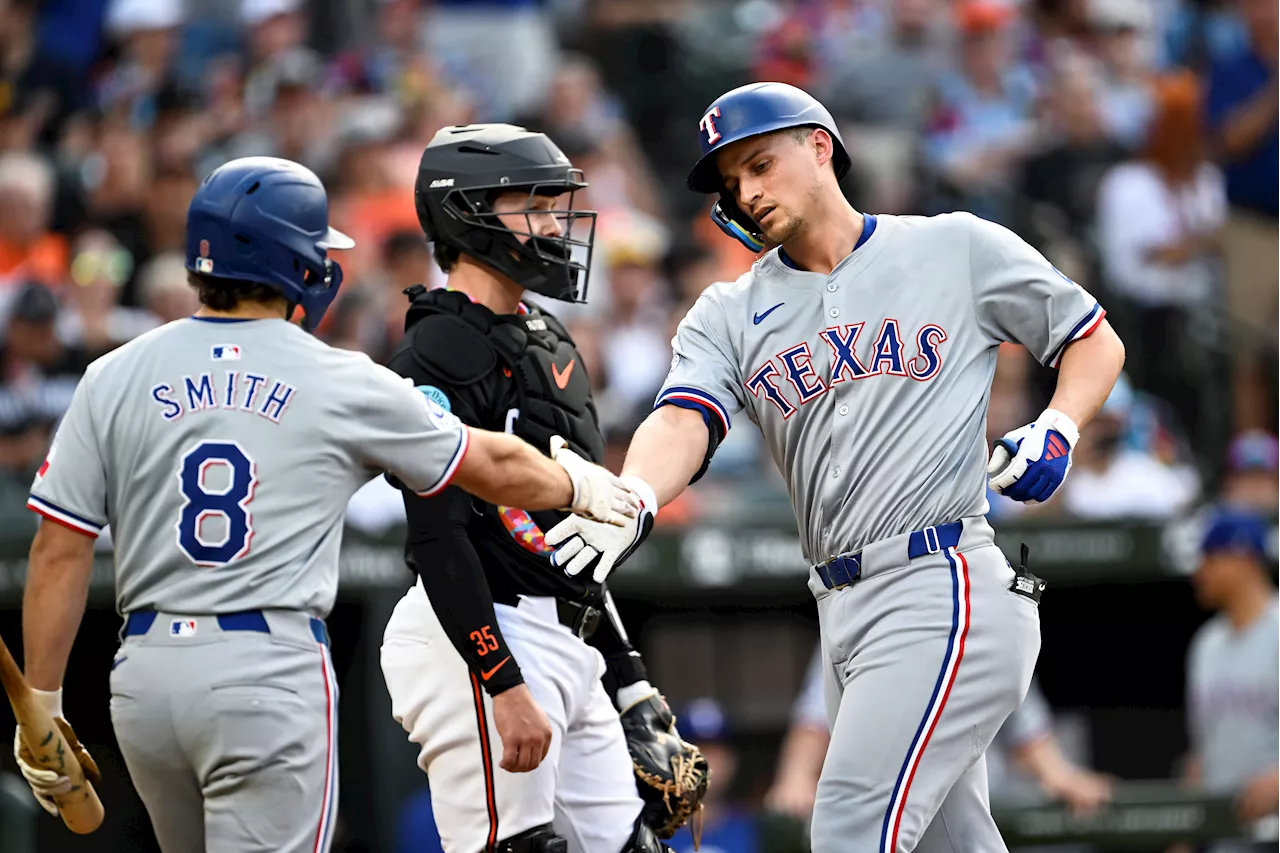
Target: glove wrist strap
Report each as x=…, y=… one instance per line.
x=1054, y=419
x=648, y=498
x=50, y=701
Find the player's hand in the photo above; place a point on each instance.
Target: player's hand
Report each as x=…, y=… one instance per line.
x=581, y=540
x=46, y=784
x=1259, y=797
x=1030, y=463
x=597, y=494
x=523, y=728
x=1084, y=791
x=792, y=797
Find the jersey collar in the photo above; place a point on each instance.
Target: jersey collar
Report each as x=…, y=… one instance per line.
x=868, y=228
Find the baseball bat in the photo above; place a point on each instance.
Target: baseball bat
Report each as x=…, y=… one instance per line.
x=80, y=807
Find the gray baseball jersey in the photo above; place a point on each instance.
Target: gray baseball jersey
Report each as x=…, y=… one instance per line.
x=870, y=385
x=1232, y=688
x=223, y=453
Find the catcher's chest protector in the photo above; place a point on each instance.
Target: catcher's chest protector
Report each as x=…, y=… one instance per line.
x=526, y=362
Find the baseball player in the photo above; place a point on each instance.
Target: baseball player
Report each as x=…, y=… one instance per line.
x=222, y=450
x=486, y=658
x=1232, y=666
x=863, y=348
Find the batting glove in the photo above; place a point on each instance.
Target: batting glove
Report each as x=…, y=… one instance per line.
x=597, y=494
x=1030, y=463
x=585, y=540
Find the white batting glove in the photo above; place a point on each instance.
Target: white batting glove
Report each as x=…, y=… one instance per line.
x=585, y=540
x=45, y=784
x=597, y=494
x=1029, y=463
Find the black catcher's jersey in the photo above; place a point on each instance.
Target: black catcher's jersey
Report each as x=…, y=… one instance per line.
x=517, y=373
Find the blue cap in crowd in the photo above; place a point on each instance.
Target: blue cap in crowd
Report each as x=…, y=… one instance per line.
x=702, y=721
x=1236, y=530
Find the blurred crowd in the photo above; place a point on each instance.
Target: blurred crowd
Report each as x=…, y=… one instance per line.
x=1134, y=142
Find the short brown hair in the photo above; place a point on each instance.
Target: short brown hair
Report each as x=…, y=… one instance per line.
x=225, y=294
x=446, y=256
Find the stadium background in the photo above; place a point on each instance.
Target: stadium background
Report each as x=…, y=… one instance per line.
x=1090, y=127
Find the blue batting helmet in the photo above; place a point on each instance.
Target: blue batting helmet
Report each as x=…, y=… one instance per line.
x=266, y=220
x=748, y=111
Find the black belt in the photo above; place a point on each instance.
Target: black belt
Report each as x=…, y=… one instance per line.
x=581, y=619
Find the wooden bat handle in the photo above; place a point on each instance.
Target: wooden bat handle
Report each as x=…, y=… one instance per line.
x=80, y=807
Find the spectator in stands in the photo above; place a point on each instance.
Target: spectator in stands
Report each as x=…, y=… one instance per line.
x=147, y=34
x=96, y=321
x=297, y=120
x=381, y=67
x=1159, y=219
x=637, y=349
x=275, y=29
x=40, y=91
x=38, y=375
x=882, y=97
x=982, y=125
x=28, y=250
x=1251, y=481
x=1111, y=478
x=1060, y=180
x=726, y=828
x=505, y=53
x=1123, y=33
x=1242, y=121
x=163, y=289
x=1232, y=666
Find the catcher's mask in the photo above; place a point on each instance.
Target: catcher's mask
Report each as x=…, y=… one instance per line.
x=465, y=168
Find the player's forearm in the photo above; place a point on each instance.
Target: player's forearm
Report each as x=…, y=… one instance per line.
x=58, y=572
x=1247, y=125
x=503, y=469
x=1089, y=369
x=667, y=450
x=803, y=752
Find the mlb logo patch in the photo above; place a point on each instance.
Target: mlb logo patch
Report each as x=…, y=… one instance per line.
x=225, y=352
x=182, y=628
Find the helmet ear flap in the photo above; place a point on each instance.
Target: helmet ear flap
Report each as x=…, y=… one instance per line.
x=730, y=219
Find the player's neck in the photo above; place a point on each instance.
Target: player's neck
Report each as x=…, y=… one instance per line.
x=497, y=293
x=1249, y=602
x=820, y=249
x=247, y=309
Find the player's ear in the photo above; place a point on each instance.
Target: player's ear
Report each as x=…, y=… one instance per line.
x=822, y=145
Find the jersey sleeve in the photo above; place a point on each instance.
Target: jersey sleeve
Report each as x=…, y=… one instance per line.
x=1019, y=297
x=397, y=428
x=71, y=486
x=704, y=375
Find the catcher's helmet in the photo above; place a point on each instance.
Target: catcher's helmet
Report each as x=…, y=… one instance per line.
x=748, y=111
x=465, y=167
x=265, y=219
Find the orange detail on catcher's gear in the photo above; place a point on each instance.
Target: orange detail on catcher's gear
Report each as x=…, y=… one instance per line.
x=486, y=761
x=488, y=673
x=562, y=379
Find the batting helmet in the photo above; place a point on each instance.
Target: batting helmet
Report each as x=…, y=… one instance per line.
x=464, y=168
x=748, y=111
x=266, y=220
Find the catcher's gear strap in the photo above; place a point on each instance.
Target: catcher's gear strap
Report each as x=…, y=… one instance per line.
x=540, y=839
x=643, y=840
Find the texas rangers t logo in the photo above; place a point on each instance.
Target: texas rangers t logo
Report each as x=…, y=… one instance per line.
x=708, y=125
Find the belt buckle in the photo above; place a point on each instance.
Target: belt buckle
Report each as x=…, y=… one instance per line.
x=931, y=541
x=851, y=580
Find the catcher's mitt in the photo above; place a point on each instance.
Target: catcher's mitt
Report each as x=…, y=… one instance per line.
x=672, y=775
